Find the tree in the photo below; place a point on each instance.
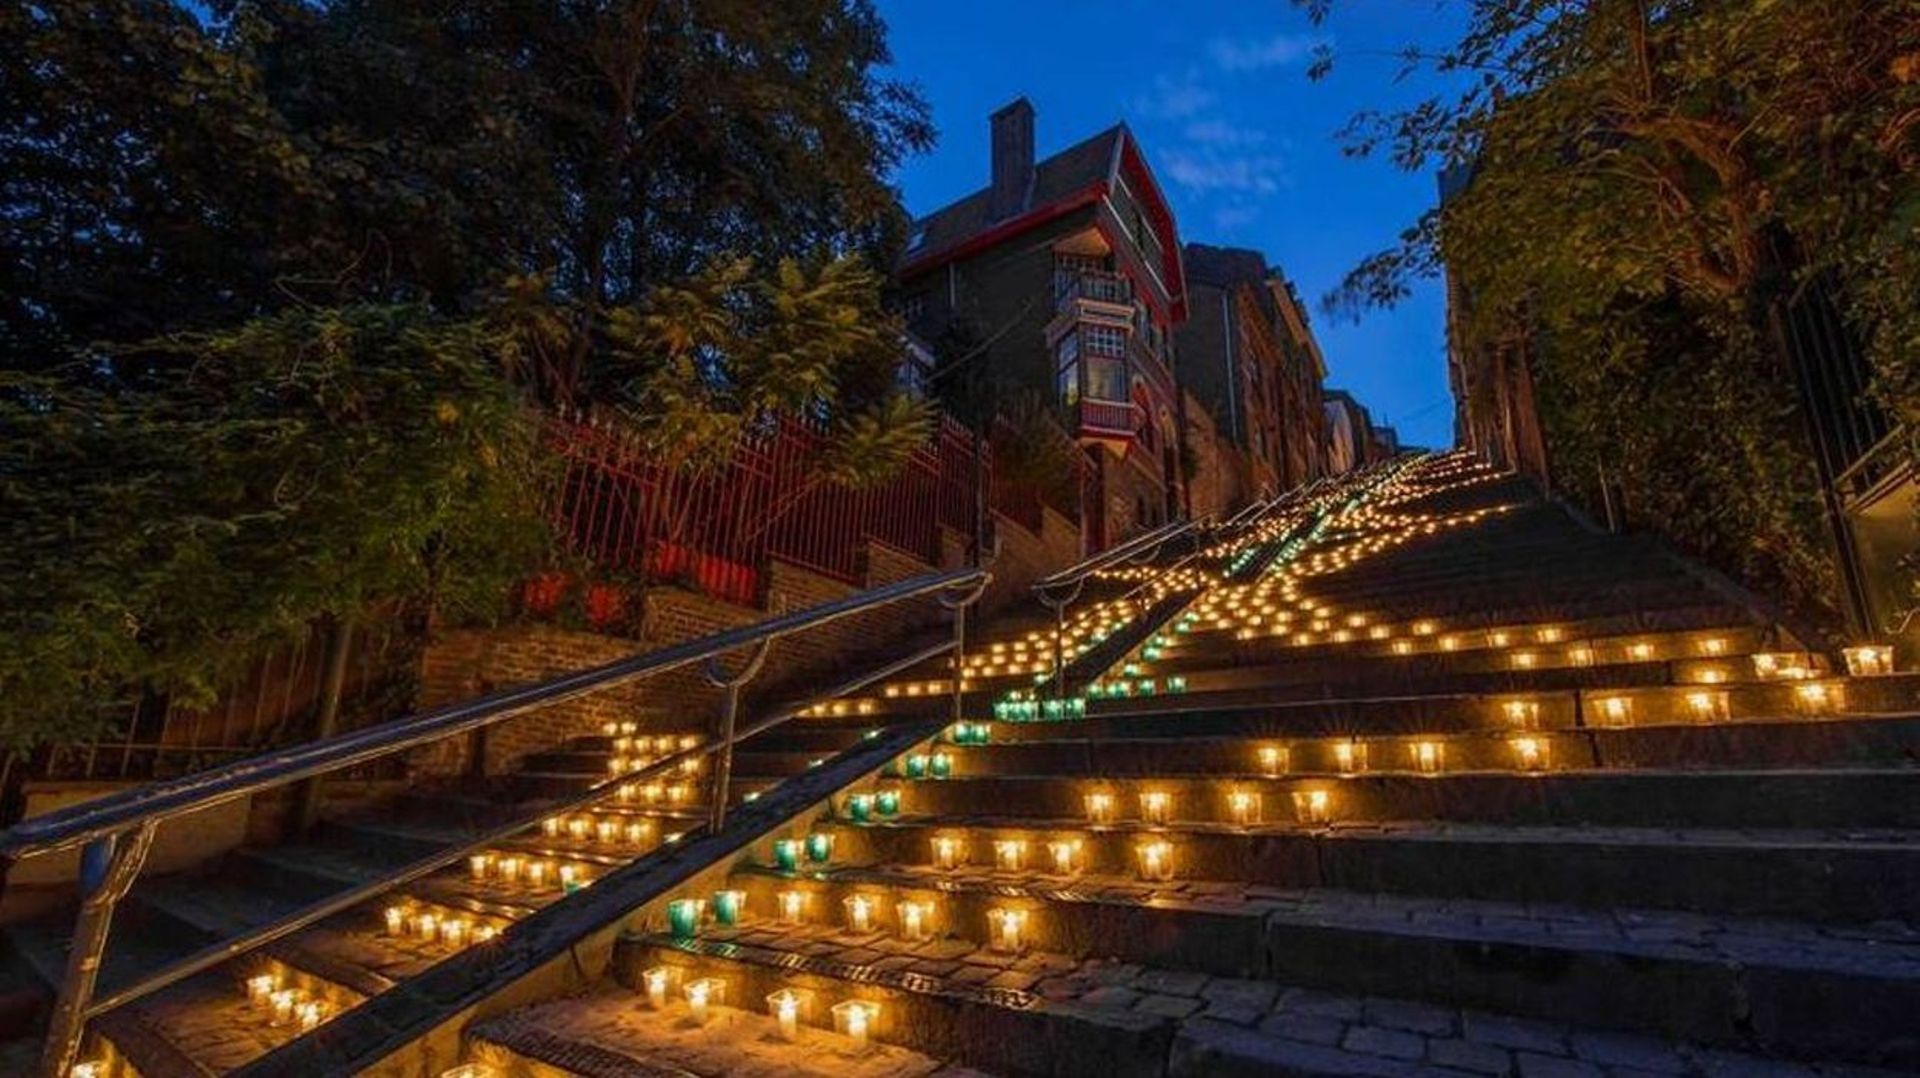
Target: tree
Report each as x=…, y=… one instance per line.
x=1648, y=182
x=173, y=507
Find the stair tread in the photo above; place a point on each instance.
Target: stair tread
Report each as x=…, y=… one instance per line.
x=1889, y=950
x=605, y=1034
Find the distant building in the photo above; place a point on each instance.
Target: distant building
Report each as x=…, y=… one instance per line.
x=1067, y=273
x=1491, y=376
x=1350, y=433
x=1248, y=356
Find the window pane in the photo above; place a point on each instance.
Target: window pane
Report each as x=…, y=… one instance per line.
x=1107, y=379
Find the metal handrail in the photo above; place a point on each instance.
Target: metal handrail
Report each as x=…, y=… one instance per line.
x=1091, y=564
x=117, y=831
x=109, y=815
x=260, y=935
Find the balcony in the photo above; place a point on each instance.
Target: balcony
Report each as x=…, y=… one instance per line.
x=1087, y=291
x=1112, y=422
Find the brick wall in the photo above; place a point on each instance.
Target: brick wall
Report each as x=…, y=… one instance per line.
x=461, y=664
x=1219, y=483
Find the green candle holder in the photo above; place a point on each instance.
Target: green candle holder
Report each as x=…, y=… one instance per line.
x=728, y=905
x=917, y=766
x=941, y=765
x=887, y=803
x=819, y=847
x=786, y=854
x=683, y=917
x=860, y=808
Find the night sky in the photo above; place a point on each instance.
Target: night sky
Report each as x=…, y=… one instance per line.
x=1241, y=140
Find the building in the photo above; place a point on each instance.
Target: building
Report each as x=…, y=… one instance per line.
x=1062, y=277
x=1349, y=433
x=1248, y=356
x=1491, y=377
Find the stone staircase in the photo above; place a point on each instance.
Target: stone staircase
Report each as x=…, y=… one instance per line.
x=1463, y=788
x=1455, y=786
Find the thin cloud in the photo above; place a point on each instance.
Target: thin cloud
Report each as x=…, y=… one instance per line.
x=1281, y=50
x=1175, y=99
x=1222, y=133
x=1209, y=169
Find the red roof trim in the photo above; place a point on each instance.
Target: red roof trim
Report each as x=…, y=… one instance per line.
x=1171, y=271
x=1007, y=229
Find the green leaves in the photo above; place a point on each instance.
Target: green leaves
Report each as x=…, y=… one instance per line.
x=176, y=506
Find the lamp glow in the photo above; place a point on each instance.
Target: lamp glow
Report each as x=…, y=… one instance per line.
x=1156, y=860
x=1310, y=806
x=1099, y=807
x=1707, y=706
x=1614, y=710
x=916, y=920
x=1816, y=697
x=785, y=1006
x=855, y=1020
x=1009, y=854
x=1244, y=807
x=1155, y=806
x=1066, y=856
x=1274, y=760
x=1869, y=660
x=948, y=851
x=792, y=906
x=702, y=996
x=1529, y=752
x=657, y=981
x=859, y=913
x=1007, y=927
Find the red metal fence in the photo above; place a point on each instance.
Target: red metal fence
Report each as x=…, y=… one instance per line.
x=715, y=530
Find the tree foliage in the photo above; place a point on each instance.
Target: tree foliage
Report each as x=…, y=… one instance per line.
x=172, y=508
x=1648, y=181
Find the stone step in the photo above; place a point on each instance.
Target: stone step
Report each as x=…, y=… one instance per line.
x=1493, y=742
x=950, y=1000
x=1797, y=798
x=1652, y=971
x=1830, y=876
x=609, y=1033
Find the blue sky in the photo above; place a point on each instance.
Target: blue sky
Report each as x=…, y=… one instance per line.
x=1242, y=141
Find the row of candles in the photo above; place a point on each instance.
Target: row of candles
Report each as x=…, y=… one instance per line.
x=790, y=1008
x=513, y=870
x=287, y=1005
x=914, y=919
x=605, y=830
x=619, y=764
x=433, y=924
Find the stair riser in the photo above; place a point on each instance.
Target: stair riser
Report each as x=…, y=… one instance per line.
x=1032, y=1041
x=1284, y=660
x=1826, y=884
x=1222, y=943
x=1707, y=799
x=1762, y=744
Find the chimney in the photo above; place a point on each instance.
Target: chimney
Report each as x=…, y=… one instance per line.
x=1012, y=159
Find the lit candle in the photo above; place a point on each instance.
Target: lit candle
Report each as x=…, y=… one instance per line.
x=427, y=926
x=510, y=869
x=261, y=988
x=793, y=906
x=1816, y=697
x=1531, y=753
x=571, y=878
x=1524, y=660
x=478, y=864
x=1713, y=645
x=1009, y=854
x=1099, y=807
x=657, y=980
x=683, y=917
x=887, y=803
x=678, y=793
x=1066, y=856
x=485, y=933
x=1767, y=664
x=607, y=831
x=1869, y=660
x=1155, y=805
x=1498, y=639
x=786, y=854
x=91, y=1068
x=1614, y=710
x=1156, y=860
x=396, y=920
x=728, y=905
x=948, y=851
x=537, y=873
x=701, y=996
x=1310, y=806
x=784, y=1005
x=550, y=826
x=1707, y=706
x=1274, y=760
x=1244, y=807
x=1524, y=714
x=577, y=828
x=310, y=1013
x=453, y=931
x=854, y=1019
x=940, y=765
x=283, y=1002
x=916, y=767
x=1007, y=925
x=1403, y=647
x=859, y=913
x=1427, y=755
x=916, y=920
x=1350, y=756
x=820, y=847
x=1580, y=656
x=860, y=808
x=637, y=831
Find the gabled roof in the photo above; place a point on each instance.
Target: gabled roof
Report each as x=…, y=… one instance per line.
x=1056, y=179
x=1080, y=175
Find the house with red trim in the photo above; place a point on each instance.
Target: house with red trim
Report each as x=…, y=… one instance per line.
x=1062, y=280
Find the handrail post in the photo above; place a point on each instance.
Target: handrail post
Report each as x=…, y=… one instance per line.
x=729, y=723
x=958, y=604
x=118, y=859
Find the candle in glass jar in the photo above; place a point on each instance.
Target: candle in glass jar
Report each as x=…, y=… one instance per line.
x=478, y=864
x=786, y=854
x=820, y=847
x=656, y=981
x=283, y=1002
x=1066, y=856
x=396, y=920
x=1007, y=926
x=728, y=905
x=792, y=905
x=785, y=1007
x=916, y=920
x=940, y=765
x=261, y=987
x=683, y=917
x=887, y=803
x=860, y=808
x=701, y=997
